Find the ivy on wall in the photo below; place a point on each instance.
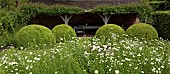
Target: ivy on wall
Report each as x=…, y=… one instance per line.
x=105, y=11
x=65, y=12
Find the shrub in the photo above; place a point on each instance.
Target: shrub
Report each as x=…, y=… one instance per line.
x=7, y=4
x=108, y=30
x=1, y=29
x=142, y=30
x=157, y=5
x=63, y=32
x=34, y=36
x=162, y=23
x=7, y=20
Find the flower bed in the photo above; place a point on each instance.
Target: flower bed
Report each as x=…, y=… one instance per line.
x=90, y=56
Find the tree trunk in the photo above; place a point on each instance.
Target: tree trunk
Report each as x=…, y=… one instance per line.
x=66, y=18
x=105, y=18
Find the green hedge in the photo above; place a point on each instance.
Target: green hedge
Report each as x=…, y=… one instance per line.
x=9, y=24
x=158, y=5
x=7, y=4
x=39, y=8
x=7, y=20
x=142, y=10
x=162, y=23
x=12, y=21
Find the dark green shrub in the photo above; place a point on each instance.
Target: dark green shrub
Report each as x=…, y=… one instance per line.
x=63, y=32
x=7, y=20
x=7, y=4
x=6, y=39
x=34, y=36
x=142, y=30
x=1, y=29
x=108, y=30
x=157, y=5
x=161, y=23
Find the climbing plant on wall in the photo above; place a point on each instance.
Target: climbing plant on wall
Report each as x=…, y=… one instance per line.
x=65, y=12
x=105, y=11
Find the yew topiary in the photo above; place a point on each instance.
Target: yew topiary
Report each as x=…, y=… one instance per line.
x=63, y=32
x=142, y=31
x=34, y=37
x=109, y=30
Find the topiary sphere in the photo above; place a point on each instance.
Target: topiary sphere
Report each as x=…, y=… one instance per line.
x=35, y=36
x=63, y=32
x=142, y=30
x=108, y=30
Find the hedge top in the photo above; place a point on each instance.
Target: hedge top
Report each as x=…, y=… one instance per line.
x=161, y=13
x=38, y=8
x=122, y=9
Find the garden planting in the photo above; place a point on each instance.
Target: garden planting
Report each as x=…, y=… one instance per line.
x=35, y=49
x=119, y=54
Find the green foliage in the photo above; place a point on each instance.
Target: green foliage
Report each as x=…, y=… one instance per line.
x=7, y=4
x=63, y=33
x=11, y=4
x=108, y=31
x=6, y=39
x=158, y=5
x=162, y=23
x=39, y=8
x=34, y=36
x=8, y=23
x=30, y=10
x=1, y=29
x=11, y=21
x=142, y=31
x=61, y=9
x=7, y=20
x=142, y=10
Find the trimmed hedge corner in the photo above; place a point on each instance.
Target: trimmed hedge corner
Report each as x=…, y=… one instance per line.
x=34, y=36
x=142, y=30
x=162, y=23
x=63, y=32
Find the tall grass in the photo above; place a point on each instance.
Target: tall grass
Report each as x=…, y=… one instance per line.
x=91, y=56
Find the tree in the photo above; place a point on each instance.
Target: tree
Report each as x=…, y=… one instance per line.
x=104, y=12
x=65, y=12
